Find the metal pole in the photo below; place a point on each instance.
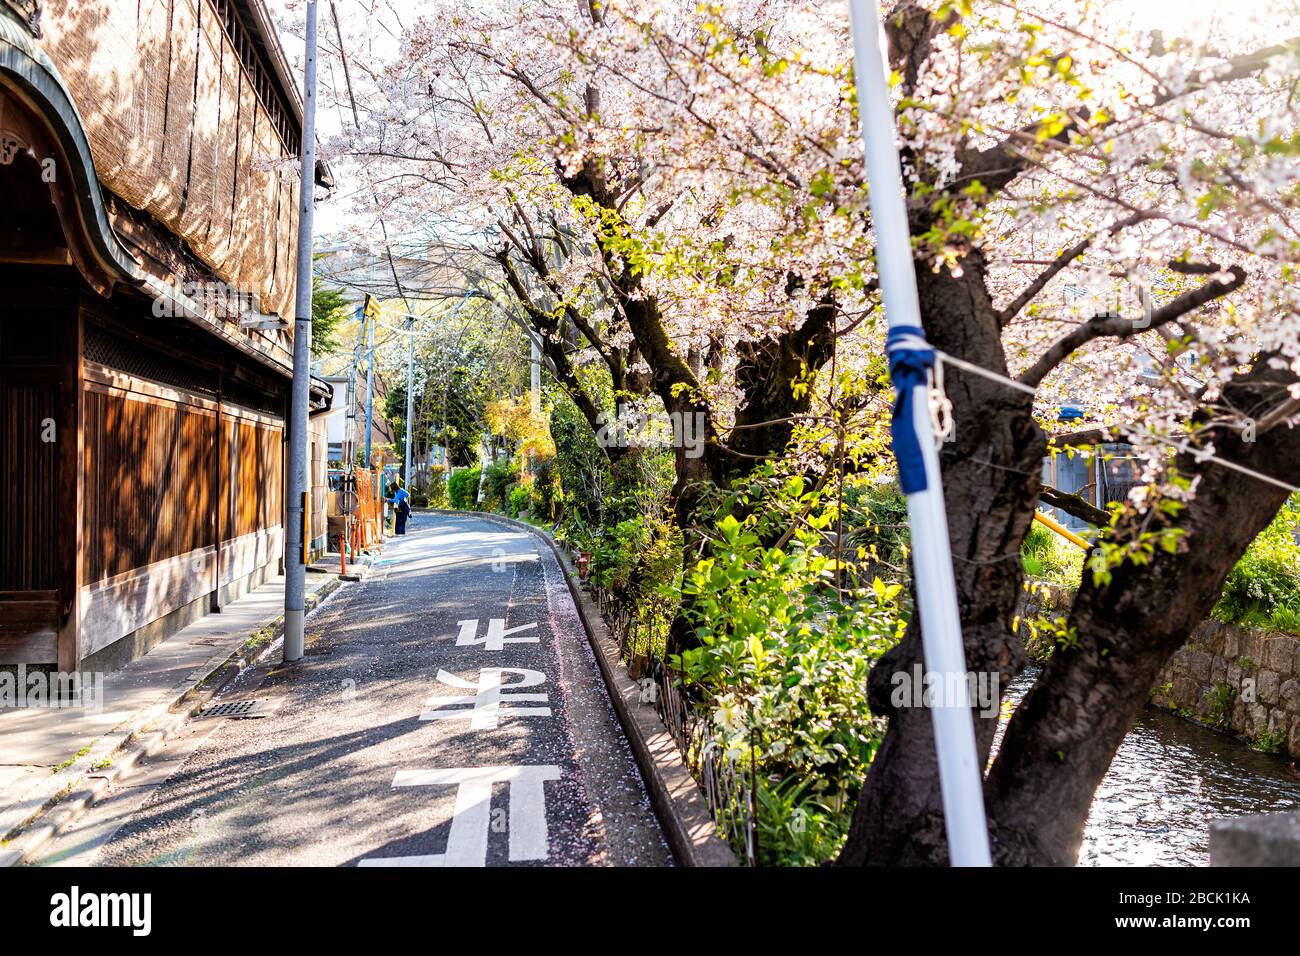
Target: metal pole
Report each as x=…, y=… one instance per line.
x=350, y=428
x=960, y=779
x=410, y=392
x=295, y=547
x=370, y=388
x=535, y=382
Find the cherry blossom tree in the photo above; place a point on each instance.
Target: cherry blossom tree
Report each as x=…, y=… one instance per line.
x=1103, y=211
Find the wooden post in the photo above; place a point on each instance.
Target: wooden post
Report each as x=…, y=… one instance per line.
x=218, y=498
x=71, y=490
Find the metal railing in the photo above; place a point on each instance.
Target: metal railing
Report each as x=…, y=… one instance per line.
x=729, y=785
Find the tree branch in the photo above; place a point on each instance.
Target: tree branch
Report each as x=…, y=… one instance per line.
x=1121, y=328
x=1073, y=505
x=1061, y=261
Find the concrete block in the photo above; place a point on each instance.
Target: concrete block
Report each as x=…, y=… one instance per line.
x=1268, y=839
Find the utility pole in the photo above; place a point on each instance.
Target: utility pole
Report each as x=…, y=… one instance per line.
x=295, y=547
x=370, y=387
x=410, y=391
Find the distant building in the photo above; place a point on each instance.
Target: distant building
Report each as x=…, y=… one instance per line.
x=346, y=436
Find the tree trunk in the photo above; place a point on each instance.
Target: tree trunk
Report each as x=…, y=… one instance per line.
x=991, y=476
x=1065, y=732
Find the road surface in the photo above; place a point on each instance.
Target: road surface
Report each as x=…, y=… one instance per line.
x=448, y=712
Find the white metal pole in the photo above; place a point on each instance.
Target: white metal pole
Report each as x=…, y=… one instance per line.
x=410, y=392
x=295, y=547
x=960, y=778
x=370, y=388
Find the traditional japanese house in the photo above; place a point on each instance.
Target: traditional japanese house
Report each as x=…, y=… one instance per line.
x=148, y=219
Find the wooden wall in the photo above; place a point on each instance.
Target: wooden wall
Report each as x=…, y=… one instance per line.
x=254, y=449
x=149, y=479
x=182, y=496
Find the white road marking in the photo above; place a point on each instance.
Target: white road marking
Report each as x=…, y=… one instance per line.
x=467, y=843
x=498, y=635
x=489, y=695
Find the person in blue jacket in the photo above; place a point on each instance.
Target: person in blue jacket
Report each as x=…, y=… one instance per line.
x=401, y=502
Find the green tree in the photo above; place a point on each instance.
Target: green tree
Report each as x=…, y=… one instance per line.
x=329, y=307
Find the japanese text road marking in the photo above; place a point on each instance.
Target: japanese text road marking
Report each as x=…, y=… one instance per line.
x=467, y=844
x=498, y=635
x=490, y=694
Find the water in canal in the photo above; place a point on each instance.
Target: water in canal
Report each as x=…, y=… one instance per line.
x=1169, y=778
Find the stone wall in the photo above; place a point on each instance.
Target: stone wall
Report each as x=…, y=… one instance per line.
x=1238, y=679
x=1242, y=680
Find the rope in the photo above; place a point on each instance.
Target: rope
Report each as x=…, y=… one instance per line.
x=941, y=413
x=1200, y=456
x=974, y=369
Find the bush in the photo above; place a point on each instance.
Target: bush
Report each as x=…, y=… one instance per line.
x=580, y=463
x=499, y=476
x=876, y=520
x=1046, y=556
x=438, y=493
x=783, y=665
x=1263, y=590
x=546, y=490
x=462, y=488
x=520, y=499
x=419, y=501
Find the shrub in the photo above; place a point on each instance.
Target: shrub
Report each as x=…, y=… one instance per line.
x=438, y=493
x=1046, y=556
x=1264, y=588
x=580, y=463
x=782, y=665
x=520, y=499
x=499, y=476
x=876, y=516
x=546, y=491
x=462, y=488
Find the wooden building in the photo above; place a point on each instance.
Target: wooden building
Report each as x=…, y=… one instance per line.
x=147, y=275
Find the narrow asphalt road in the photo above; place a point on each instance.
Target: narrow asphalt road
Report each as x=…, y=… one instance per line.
x=448, y=712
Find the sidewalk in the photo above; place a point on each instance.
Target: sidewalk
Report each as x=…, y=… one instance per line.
x=46, y=752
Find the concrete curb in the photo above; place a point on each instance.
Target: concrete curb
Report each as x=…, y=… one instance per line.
x=676, y=796
x=50, y=807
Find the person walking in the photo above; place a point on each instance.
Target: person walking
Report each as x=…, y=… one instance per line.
x=401, y=502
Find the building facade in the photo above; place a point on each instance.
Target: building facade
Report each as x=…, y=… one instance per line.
x=147, y=276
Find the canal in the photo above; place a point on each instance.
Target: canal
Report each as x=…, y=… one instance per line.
x=1170, y=777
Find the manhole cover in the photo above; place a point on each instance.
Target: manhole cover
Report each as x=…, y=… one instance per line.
x=240, y=709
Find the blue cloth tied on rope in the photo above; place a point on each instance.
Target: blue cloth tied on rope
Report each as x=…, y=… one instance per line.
x=910, y=361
